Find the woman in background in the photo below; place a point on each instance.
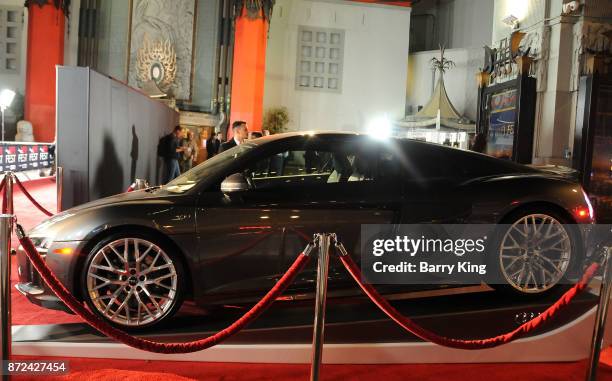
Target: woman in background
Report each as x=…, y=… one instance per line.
x=190, y=153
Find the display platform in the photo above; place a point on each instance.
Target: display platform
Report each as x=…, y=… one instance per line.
x=355, y=332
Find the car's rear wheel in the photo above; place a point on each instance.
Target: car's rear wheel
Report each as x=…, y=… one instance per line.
x=536, y=251
x=133, y=281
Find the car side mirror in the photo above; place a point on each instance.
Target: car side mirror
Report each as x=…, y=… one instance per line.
x=235, y=183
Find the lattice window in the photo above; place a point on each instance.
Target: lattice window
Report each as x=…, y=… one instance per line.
x=320, y=56
x=11, y=25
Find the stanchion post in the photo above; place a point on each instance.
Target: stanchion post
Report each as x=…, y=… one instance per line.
x=600, y=315
x=59, y=183
x=8, y=193
x=323, y=242
x=7, y=200
x=141, y=184
x=6, y=221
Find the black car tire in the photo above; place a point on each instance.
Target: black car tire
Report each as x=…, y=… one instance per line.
x=164, y=247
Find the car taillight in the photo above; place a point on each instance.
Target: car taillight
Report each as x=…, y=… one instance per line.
x=582, y=212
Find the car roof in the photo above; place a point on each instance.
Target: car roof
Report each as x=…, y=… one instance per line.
x=285, y=135
x=333, y=135
x=406, y=142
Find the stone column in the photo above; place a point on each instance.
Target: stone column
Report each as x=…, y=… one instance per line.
x=567, y=41
x=555, y=103
x=249, y=63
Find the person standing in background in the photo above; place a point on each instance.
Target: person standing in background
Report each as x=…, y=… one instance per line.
x=241, y=132
x=190, y=151
x=213, y=144
x=480, y=143
x=170, y=150
x=218, y=142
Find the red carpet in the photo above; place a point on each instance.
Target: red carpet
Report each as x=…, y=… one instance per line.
x=111, y=370
x=102, y=369
x=44, y=191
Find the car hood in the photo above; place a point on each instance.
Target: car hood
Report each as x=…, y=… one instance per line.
x=151, y=195
x=135, y=196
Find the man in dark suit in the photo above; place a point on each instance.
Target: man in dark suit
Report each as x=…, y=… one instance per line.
x=214, y=144
x=240, y=131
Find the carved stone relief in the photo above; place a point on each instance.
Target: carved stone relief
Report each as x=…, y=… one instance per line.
x=161, y=45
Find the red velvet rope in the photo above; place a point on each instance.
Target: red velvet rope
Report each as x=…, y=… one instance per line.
x=167, y=348
x=410, y=326
x=29, y=196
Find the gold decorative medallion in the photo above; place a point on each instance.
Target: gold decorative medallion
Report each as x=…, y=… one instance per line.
x=156, y=61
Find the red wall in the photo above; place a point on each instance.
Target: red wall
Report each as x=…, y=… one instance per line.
x=45, y=50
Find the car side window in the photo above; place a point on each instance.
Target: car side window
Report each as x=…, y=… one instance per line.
x=307, y=167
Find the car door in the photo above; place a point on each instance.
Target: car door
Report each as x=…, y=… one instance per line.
x=336, y=189
x=248, y=240
x=238, y=244
x=241, y=234
x=237, y=256
x=341, y=208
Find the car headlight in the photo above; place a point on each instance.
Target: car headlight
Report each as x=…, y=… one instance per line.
x=42, y=244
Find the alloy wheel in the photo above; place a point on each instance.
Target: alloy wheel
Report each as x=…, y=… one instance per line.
x=132, y=282
x=535, y=253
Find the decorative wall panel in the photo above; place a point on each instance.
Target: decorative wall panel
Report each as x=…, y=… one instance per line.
x=161, y=45
x=11, y=20
x=320, y=56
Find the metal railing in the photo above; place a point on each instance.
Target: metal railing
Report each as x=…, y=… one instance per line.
x=323, y=241
x=6, y=222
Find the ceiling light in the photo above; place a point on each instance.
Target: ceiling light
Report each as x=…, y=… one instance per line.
x=6, y=98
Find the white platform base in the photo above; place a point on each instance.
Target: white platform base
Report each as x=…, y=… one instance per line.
x=569, y=343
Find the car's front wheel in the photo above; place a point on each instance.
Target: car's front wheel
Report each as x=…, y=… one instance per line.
x=133, y=281
x=536, y=251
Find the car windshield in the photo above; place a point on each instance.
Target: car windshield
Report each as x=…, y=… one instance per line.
x=191, y=178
